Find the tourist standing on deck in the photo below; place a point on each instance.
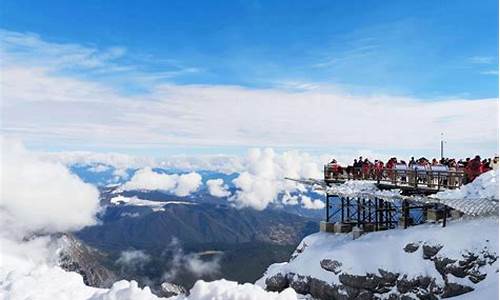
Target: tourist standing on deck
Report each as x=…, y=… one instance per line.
x=473, y=168
x=494, y=163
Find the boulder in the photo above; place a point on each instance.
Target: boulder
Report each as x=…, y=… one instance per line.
x=368, y=282
x=277, y=283
x=430, y=250
x=452, y=289
x=441, y=264
x=320, y=289
x=411, y=247
x=331, y=265
x=405, y=285
x=388, y=277
x=299, y=283
x=364, y=295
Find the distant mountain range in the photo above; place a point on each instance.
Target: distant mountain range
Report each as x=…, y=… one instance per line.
x=196, y=225
x=243, y=242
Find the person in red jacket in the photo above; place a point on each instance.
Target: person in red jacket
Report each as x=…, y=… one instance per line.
x=473, y=168
x=366, y=167
x=335, y=168
x=389, y=166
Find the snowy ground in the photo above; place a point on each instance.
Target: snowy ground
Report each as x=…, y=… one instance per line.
x=384, y=250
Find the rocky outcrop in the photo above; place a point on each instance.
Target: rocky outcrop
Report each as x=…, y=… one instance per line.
x=277, y=283
x=74, y=256
x=168, y=289
x=331, y=265
x=389, y=285
x=429, y=251
x=411, y=247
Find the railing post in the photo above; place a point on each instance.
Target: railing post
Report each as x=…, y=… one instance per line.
x=327, y=207
x=358, y=212
x=342, y=217
x=348, y=209
x=445, y=215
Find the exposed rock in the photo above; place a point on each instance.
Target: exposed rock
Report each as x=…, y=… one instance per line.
x=411, y=247
x=476, y=278
x=389, y=285
x=430, y=250
x=320, y=289
x=405, y=285
x=440, y=263
x=74, y=256
x=168, y=289
x=364, y=295
x=457, y=270
x=299, y=283
x=452, y=289
x=369, y=282
x=331, y=265
x=277, y=283
x=301, y=248
x=389, y=277
x=427, y=296
x=423, y=282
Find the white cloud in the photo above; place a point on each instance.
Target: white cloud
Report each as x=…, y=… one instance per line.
x=191, y=262
x=217, y=188
x=133, y=259
x=230, y=290
x=187, y=184
x=119, y=161
x=309, y=203
x=42, y=106
x=99, y=168
x=288, y=199
x=264, y=177
x=43, y=196
x=180, y=185
x=147, y=179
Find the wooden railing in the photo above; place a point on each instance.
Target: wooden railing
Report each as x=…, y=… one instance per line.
x=437, y=177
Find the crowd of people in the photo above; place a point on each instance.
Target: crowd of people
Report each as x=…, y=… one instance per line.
x=363, y=168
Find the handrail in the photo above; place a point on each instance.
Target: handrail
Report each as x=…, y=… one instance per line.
x=400, y=177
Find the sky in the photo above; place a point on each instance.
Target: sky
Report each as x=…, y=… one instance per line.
x=191, y=77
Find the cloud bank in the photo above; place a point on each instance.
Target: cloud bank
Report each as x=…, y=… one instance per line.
x=180, y=185
x=40, y=196
x=217, y=188
x=43, y=196
x=43, y=104
x=264, y=177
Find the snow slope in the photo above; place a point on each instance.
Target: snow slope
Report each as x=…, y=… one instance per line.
x=384, y=250
x=483, y=187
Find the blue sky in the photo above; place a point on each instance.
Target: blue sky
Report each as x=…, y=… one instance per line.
x=427, y=49
x=191, y=77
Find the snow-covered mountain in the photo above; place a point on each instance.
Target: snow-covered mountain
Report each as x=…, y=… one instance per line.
x=42, y=199
x=423, y=262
